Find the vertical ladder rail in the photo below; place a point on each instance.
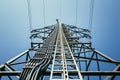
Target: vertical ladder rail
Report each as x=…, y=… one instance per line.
x=63, y=59
x=64, y=64
x=54, y=59
x=72, y=57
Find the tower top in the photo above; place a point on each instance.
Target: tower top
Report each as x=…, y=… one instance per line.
x=57, y=20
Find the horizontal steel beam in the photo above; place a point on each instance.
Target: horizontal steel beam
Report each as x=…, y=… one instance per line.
x=73, y=37
x=79, y=42
x=84, y=73
x=10, y=73
x=90, y=73
x=37, y=43
x=115, y=62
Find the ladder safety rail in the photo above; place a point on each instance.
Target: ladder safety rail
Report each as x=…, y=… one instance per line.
x=62, y=59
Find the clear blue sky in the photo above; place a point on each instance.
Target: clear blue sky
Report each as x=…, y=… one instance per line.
x=14, y=27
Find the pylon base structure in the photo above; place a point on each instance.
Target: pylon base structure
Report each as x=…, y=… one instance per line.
x=64, y=53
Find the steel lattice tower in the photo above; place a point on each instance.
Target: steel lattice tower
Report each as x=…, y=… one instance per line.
x=61, y=52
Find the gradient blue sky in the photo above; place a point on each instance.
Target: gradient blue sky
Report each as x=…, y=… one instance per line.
x=14, y=26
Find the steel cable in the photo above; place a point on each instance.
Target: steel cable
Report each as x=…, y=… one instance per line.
x=37, y=64
x=91, y=15
x=76, y=13
x=29, y=16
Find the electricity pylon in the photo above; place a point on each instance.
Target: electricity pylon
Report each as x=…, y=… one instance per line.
x=60, y=52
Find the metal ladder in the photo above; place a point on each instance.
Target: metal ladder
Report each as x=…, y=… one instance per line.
x=64, y=66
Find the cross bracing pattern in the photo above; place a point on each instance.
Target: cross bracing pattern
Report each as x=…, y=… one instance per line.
x=60, y=52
